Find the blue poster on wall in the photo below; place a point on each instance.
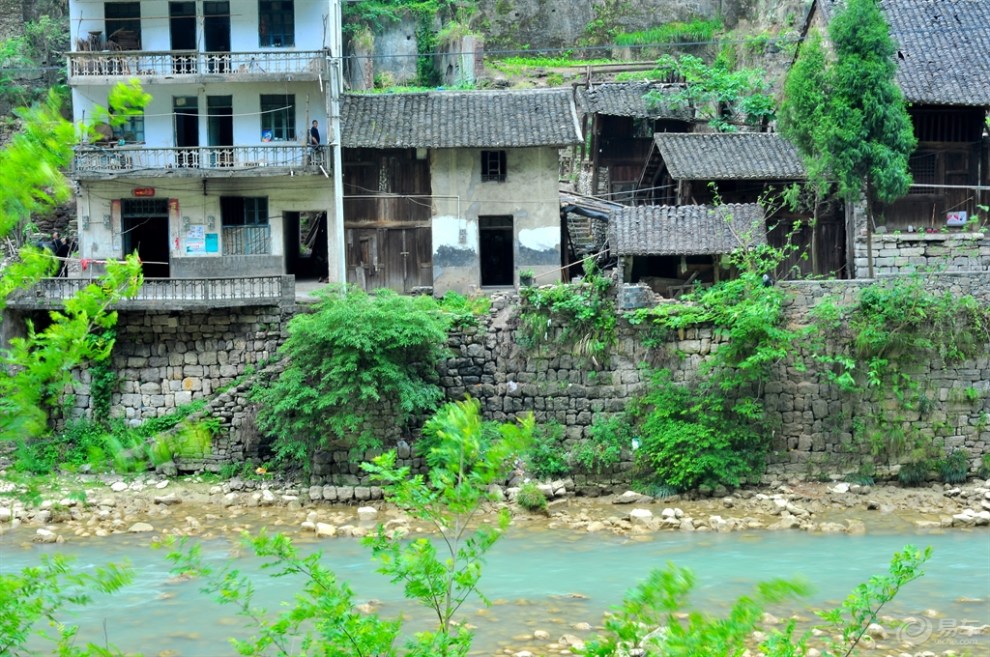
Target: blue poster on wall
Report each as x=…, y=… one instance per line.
x=212, y=243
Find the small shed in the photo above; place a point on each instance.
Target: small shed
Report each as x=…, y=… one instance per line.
x=746, y=167
x=671, y=247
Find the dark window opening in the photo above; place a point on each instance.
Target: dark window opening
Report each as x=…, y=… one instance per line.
x=493, y=168
x=278, y=117
x=123, y=24
x=276, y=23
x=496, y=249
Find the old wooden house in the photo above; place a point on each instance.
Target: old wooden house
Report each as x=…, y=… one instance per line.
x=454, y=190
x=623, y=118
x=943, y=70
x=745, y=168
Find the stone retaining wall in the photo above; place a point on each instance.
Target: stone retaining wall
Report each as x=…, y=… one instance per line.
x=814, y=421
x=167, y=359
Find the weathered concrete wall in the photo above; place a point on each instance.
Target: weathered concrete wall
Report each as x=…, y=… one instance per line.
x=12, y=14
x=199, y=206
x=529, y=195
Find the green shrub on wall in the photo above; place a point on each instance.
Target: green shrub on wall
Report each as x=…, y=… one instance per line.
x=356, y=359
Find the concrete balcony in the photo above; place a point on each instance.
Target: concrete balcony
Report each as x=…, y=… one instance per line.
x=104, y=162
x=168, y=293
x=190, y=66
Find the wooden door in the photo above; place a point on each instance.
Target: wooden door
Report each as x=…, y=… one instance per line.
x=396, y=258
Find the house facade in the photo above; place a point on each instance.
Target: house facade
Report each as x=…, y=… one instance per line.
x=623, y=118
x=454, y=190
x=943, y=70
x=746, y=168
x=217, y=177
x=673, y=248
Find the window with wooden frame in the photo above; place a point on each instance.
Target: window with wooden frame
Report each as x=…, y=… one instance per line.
x=493, y=166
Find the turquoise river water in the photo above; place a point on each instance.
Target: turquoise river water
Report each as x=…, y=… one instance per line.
x=540, y=579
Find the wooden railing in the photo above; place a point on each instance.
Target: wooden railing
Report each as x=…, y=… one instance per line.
x=168, y=293
x=180, y=63
x=139, y=159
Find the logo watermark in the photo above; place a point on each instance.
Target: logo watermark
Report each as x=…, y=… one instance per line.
x=941, y=631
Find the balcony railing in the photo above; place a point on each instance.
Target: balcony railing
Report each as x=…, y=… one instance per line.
x=139, y=159
x=169, y=293
x=180, y=63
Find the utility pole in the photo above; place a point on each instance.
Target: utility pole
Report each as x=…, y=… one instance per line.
x=336, y=244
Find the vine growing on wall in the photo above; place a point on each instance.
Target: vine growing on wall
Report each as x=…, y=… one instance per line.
x=580, y=315
x=876, y=348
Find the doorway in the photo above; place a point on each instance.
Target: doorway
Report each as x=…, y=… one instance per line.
x=182, y=32
x=186, y=112
x=144, y=224
x=496, y=249
x=220, y=129
x=306, y=244
x=216, y=36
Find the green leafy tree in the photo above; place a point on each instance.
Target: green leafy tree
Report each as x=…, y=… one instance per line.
x=868, y=136
x=357, y=359
x=719, y=94
x=651, y=620
x=35, y=371
x=441, y=575
x=322, y=622
x=801, y=119
x=33, y=602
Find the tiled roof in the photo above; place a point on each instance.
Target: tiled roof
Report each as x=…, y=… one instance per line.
x=943, y=48
x=460, y=119
x=729, y=156
x=629, y=99
x=686, y=229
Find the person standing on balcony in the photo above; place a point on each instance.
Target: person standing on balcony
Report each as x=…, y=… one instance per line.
x=314, y=143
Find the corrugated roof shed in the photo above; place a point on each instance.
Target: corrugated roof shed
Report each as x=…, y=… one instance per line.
x=943, y=49
x=686, y=229
x=465, y=119
x=629, y=99
x=729, y=156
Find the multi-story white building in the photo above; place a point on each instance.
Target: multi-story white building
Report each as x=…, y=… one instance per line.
x=218, y=177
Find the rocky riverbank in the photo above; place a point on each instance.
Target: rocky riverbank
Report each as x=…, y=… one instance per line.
x=86, y=508
x=90, y=506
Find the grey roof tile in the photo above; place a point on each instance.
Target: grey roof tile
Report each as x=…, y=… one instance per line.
x=686, y=229
x=460, y=119
x=943, y=49
x=729, y=156
x=629, y=99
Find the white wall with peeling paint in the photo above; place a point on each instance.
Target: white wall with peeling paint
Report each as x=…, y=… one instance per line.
x=530, y=194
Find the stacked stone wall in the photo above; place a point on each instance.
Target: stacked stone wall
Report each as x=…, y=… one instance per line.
x=925, y=252
x=814, y=422
x=166, y=359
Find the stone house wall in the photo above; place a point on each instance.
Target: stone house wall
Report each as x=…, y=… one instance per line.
x=899, y=253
